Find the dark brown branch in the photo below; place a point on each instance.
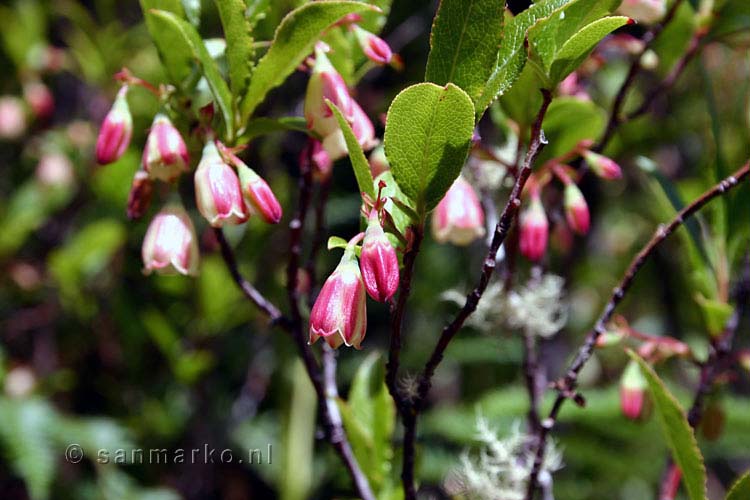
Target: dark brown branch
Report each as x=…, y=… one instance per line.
x=319, y=235
x=501, y=232
x=566, y=387
x=329, y=411
x=410, y=407
x=246, y=287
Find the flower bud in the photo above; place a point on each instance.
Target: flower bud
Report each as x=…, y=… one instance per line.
x=375, y=48
x=165, y=156
x=604, y=167
x=459, y=217
x=217, y=190
x=40, y=99
x=632, y=391
x=339, y=314
x=643, y=11
x=139, y=198
x=325, y=83
x=12, y=117
x=170, y=245
x=379, y=262
x=534, y=230
x=576, y=209
x=116, y=130
x=258, y=195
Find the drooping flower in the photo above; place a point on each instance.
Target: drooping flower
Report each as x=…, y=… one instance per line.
x=632, y=391
x=116, y=130
x=339, y=314
x=139, y=198
x=217, y=190
x=604, y=167
x=165, y=156
x=375, y=48
x=325, y=83
x=576, y=209
x=534, y=230
x=379, y=261
x=258, y=195
x=459, y=217
x=170, y=245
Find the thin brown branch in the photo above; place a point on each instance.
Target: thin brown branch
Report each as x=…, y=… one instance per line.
x=246, y=287
x=566, y=387
x=531, y=376
x=329, y=411
x=319, y=235
x=411, y=407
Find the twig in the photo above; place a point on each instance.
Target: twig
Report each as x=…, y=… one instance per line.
x=567, y=385
x=328, y=409
x=531, y=375
x=319, y=234
x=411, y=407
x=615, y=120
x=247, y=288
x=719, y=360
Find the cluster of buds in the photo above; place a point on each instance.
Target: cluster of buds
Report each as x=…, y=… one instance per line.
x=326, y=84
x=222, y=195
x=459, y=217
x=534, y=224
x=339, y=314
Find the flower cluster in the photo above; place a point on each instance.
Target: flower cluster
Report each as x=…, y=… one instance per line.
x=227, y=191
x=534, y=225
x=339, y=313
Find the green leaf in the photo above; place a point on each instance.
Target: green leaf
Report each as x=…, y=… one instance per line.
x=740, y=490
x=176, y=56
x=676, y=430
x=512, y=56
x=336, y=242
x=562, y=27
x=356, y=155
x=464, y=43
x=427, y=138
x=184, y=35
x=263, y=125
x=240, y=50
x=369, y=418
x=293, y=41
x=578, y=47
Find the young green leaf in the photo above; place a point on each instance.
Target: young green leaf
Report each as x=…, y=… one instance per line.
x=578, y=47
x=293, y=41
x=512, y=56
x=359, y=162
x=677, y=432
x=464, y=43
x=176, y=55
x=740, y=489
x=427, y=138
x=239, y=52
x=336, y=242
x=185, y=35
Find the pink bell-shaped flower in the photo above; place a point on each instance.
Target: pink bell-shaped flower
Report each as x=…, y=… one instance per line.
x=170, y=245
x=165, y=156
x=379, y=261
x=339, y=314
x=325, y=83
x=604, y=167
x=632, y=391
x=576, y=209
x=458, y=218
x=116, y=130
x=375, y=48
x=217, y=190
x=534, y=230
x=258, y=195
